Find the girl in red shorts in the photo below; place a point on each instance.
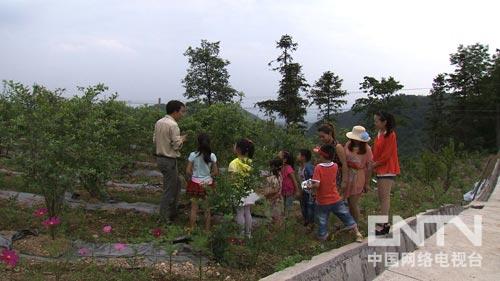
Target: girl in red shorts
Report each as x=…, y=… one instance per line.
x=201, y=168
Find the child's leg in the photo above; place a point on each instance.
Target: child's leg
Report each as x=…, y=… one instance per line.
x=322, y=212
x=276, y=212
x=354, y=206
x=303, y=206
x=288, y=202
x=194, y=213
x=248, y=221
x=208, y=218
x=342, y=212
x=240, y=218
x=310, y=211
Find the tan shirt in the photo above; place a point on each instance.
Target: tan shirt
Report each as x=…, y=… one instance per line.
x=167, y=137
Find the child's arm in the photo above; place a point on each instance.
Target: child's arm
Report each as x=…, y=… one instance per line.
x=189, y=169
x=297, y=190
x=315, y=184
x=345, y=169
x=369, y=169
x=215, y=169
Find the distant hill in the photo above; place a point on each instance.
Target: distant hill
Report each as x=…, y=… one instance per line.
x=410, y=130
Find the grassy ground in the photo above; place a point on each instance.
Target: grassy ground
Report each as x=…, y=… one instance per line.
x=271, y=248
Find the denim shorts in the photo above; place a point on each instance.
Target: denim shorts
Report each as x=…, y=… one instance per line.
x=340, y=209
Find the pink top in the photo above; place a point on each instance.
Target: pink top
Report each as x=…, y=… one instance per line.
x=288, y=188
x=358, y=167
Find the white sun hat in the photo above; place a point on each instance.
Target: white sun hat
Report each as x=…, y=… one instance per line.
x=359, y=133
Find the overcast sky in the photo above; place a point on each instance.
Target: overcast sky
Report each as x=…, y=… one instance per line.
x=136, y=47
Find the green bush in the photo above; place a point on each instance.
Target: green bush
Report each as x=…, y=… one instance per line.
x=288, y=261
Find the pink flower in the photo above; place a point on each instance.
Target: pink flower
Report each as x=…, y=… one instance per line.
x=40, y=212
x=51, y=222
x=107, y=229
x=9, y=257
x=156, y=232
x=83, y=251
x=120, y=246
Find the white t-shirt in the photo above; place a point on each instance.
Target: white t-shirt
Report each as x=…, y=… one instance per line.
x=201, y=170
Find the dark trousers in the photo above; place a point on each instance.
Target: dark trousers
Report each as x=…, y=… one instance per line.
x=171, y=187
x=307, y=206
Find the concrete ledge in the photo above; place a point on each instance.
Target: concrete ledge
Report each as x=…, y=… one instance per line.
x=350, y=262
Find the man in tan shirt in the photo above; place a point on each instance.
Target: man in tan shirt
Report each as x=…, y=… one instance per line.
x=168, y=141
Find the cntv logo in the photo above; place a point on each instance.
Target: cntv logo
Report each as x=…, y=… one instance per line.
x=418, y=235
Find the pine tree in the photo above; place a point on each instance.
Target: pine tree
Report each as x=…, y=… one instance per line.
x=436, y=125
x=327, y=94
x=290, y=105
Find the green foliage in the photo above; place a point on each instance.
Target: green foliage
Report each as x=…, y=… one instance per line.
x=474, y=97
x=219, y=237
x=289, y=261
x=227, y=123
x=240, y=257
x=289, y=105
x=44, y=140
x=437, y=116
x=207, y=78
x=327, y=94
x=95, y=130
x=382, y=95
x=429, y=168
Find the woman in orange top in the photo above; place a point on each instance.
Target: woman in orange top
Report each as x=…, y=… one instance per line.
x=386, y=164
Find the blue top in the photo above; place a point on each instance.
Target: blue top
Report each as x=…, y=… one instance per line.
x=201, y=170
x=307, y=172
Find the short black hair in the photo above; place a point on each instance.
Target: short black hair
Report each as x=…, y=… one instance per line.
x=306, y=153
x=329, y=151
x=174, y=106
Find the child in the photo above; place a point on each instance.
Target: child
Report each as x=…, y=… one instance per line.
x=272, y=190
x=289, y=185
x=306, y=170
x=201, y=167
x=244, y=150
x=359, y=158
x=327, y=196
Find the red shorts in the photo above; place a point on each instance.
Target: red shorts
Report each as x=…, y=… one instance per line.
x=196, y=189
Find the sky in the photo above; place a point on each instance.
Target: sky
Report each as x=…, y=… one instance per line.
x=136, y=47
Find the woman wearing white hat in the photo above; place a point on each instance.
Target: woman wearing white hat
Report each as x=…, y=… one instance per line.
x=359, y=159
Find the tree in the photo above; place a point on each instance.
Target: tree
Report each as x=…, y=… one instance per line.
x=472, y=105
x=287, y=46
x=382, y=95
x=327, y=94
x=437, y=127
x=494, y=89
x=207, y=78
x=289, y=105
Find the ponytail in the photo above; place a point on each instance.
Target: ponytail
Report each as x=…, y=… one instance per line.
x=204, y=147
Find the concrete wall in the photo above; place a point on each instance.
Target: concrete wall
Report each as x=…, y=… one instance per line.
x=351, y=261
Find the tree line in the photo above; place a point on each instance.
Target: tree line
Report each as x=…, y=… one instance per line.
x=464, y=104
